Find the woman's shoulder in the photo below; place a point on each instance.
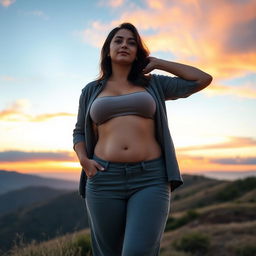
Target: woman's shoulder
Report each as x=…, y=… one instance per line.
x=160, y=77
x=157, y=79
x=91, y=85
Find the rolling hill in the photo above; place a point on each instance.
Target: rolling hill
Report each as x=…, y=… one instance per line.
x=25, y=197
x=14, y=180
x=218, y=213
x=44, y=220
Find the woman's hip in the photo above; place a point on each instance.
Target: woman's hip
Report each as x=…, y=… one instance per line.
x=119, y=177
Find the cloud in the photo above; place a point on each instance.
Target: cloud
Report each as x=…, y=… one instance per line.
x=18, y=112
x=95, y=35
x=219, y=160
x=36, y=13
x=15, y=110
x=7, y=3
x=8, y=79
x=39, y=14
x=227, y=175
x=244, y=91
x=190, y=163
x=242, y=37
x=155, y=4
x=21, y=156
x=112, y=3
x=233, y=142
x=198, y=32
x=235, y=161
x=45, y=117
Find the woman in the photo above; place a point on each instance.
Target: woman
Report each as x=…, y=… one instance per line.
x=124, y=145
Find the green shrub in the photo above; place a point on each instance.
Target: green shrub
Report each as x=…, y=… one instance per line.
x=236, y=189
x=246, y=250
x=173, y=223
x=195, y=243
x=83, y=243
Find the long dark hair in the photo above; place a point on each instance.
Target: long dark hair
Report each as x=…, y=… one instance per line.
x=136, y=75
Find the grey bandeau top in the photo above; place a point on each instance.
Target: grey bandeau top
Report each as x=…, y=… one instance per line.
x=136, y=103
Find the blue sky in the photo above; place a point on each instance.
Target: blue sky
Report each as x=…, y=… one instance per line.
x=49, y=50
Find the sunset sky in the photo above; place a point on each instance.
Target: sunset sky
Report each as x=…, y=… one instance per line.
x=49, y=50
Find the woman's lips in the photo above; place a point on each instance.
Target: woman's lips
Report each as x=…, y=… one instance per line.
x=123, y=53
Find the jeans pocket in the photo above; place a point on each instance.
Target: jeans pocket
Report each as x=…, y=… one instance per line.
x=94, y=176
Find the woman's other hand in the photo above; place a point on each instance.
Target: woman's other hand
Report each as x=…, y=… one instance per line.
x=90, y=167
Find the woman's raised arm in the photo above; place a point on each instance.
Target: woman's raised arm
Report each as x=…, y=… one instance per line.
x=186, y=72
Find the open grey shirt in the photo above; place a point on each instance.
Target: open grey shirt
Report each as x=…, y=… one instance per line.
x=161, y=88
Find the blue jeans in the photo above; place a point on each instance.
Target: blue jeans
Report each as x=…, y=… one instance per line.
x=128, y=205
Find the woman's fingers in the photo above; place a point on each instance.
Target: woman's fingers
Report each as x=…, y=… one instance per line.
x=92, y=168
x=98, y=166
x=150, y=66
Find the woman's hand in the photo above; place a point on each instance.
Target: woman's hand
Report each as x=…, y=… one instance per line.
x=90, y=167
x=152, y=64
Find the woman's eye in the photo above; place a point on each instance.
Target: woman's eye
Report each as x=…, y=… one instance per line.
x=118, y=41
x=132, y=43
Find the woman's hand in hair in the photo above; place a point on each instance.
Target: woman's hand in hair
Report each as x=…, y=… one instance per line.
x=151, y=65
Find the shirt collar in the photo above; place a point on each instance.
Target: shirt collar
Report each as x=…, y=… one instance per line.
x=102, y=82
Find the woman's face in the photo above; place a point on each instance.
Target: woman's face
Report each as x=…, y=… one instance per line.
x=123, y=47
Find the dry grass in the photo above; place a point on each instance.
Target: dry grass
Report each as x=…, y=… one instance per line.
x=200, y=198
x=228, y=226
x=76, y=244
x=225, y=239
x=248, y=197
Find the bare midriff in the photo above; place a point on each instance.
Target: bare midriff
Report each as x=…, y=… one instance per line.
x=128, y=138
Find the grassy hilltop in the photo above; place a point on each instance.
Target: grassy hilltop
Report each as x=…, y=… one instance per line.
x=208, y=218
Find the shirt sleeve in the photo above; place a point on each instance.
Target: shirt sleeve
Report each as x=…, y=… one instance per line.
x=79, y=131
x=176, y=87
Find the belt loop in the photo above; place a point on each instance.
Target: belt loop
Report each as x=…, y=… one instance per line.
x=143, y=166
x=106, y=165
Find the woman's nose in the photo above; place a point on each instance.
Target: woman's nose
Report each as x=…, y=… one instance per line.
x=124, y=45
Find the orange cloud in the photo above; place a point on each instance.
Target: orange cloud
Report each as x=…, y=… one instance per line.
x=65, y=161
x=39, y=166
x=17, y=112
x=113, y=3
x=233, y=142
x=45, y=117
x=40, y=161
x=7, y=3
x=209, y=34
x=33, y=156
x=155, y=4
x=205, y=164
x=243, y=91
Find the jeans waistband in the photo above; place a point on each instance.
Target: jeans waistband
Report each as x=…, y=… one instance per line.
x=143, y=164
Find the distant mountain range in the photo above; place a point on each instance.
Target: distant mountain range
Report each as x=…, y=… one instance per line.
x=227, y=175
x=16, y=199
x=38, y=207
x=10, y=180
x=43, y=220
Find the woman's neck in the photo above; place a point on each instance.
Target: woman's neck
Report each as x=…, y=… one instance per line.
x=120, y=72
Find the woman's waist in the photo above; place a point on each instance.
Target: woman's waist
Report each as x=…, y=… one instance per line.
x=156, y=161
x=127, y=151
